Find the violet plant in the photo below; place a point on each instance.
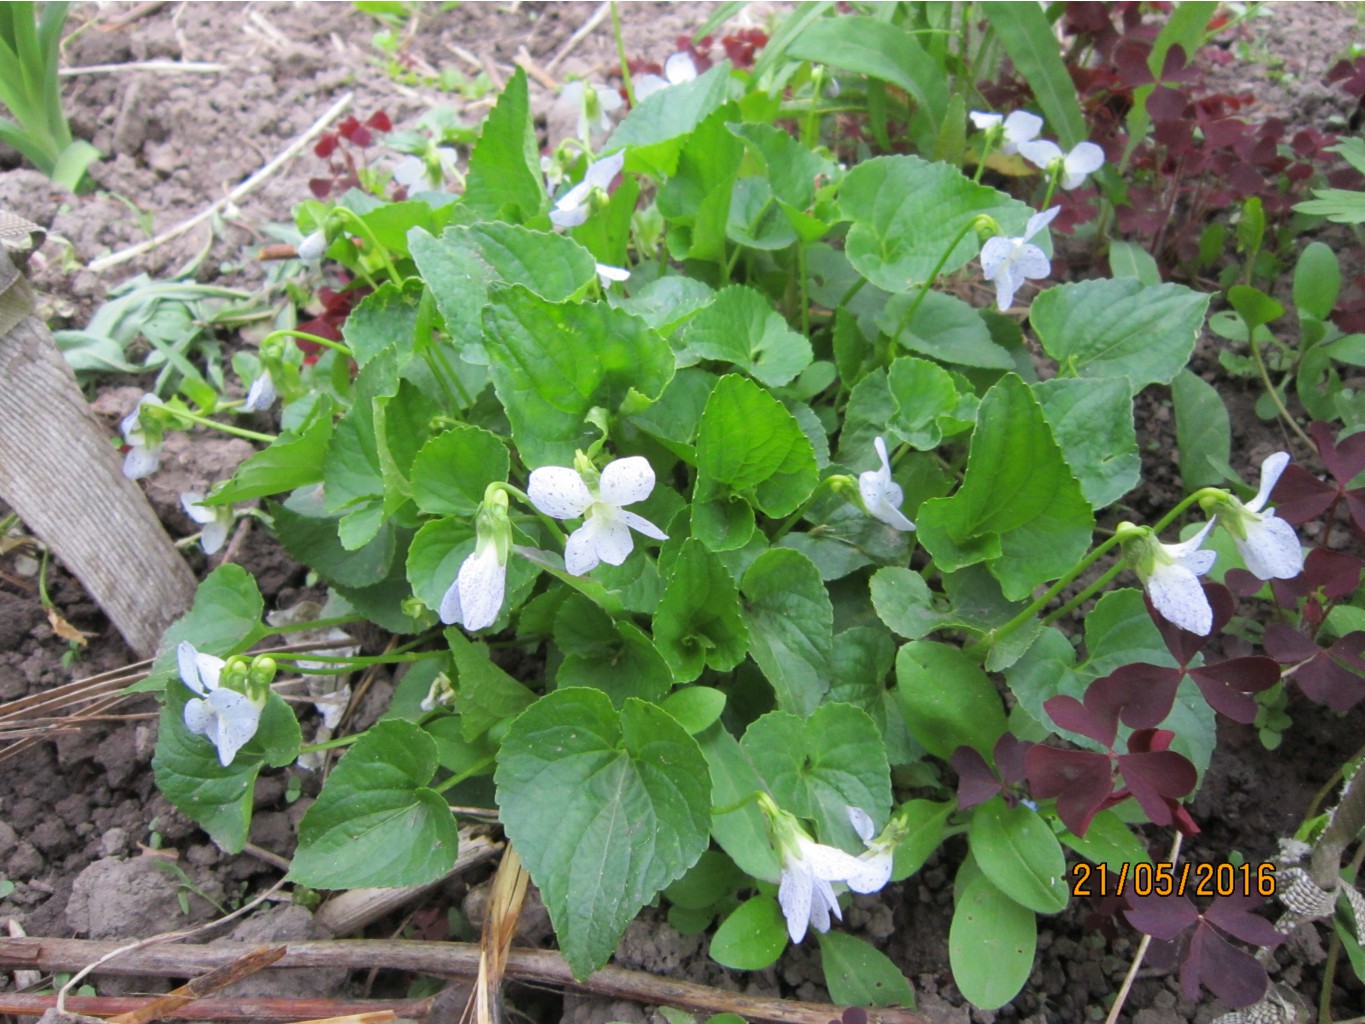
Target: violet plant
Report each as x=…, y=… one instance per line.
x=779, y=513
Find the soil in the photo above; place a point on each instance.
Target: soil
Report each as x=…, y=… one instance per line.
x=90, y=846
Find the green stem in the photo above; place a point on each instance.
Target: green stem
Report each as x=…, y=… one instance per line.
x=738, y=805
x=459, y=777
x=848, y=295
x=1053, y=178
x=1274, y=394
x=314, y=338
x=981, y=161
x=621, y=54
x=352, y=217
x=1085, y=594
x=340, y=741
x=204, y=421
x=805, y=293
x=933, y=276
x=795, y=517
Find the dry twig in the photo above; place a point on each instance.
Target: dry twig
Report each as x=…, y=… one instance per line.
x=443, y=959
x=204, y=985
x=598, y=16
x=197, y=67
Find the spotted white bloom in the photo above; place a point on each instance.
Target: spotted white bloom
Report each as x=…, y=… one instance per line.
x=1020, y=127
x=216, y=520
x=229, y=719
x=881, y=494
x=475, y=598
x=605, y=534
x=311, y=249
x=607, y=274
x=1170, y=573
x=880, y=853
x=809, y=869
x=677, y=70
x=1084, y=160
x=595, y=105
x=144, y=447
x=1009, y=262
x=574, y=205
x=1268, y=544
x=262, y=394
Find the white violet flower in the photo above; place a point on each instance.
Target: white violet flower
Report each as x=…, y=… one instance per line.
x=1170, y=573
x=475, y=598
x=595, y=105
x=677, y=70
x=216, y=520
x=311, y=249
x=262, y=394
x=806, y=890
x=1020, y=127
x=1009, y=262
x=605, y=534
x=1267, y=544
x=574, y=205
x=1084, y=160
x=607, y=274
x=229, y=719
x=881, y=494
x=880, y=853
x=144, y=447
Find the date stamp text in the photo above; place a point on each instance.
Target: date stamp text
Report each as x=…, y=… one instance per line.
x=1141, y=879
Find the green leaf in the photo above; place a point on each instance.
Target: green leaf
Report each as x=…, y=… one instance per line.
x=669, y=302
x=904, y=602
x=488, y=695
x=926, y=824
x=698, y=622
x=1317, y=280
x=907, y=212
x=694, y=707
x=188, y=771
x=1092, y=423
x=376, y=823
x=1254, y=306
x=858, y=974
x=310, y=536
x=945, y=328
x=991, y=943
x=1027, y=36
x=1110, y=842
x=1119, y=328
x=673, y=112
x=293, y=460
x=225, y=619
x=790, y=622
x=925, y=399
x=605, y=807
x=504, y=180
x=552, y=363
x=452, y=470
x=435, y=557
x=1128, y=259
x=755, y=219
x=550, y=264
x=614, y=657
x=1339, y=205
x=1203, y=431
x=792, y=169
x=1019, y=508
x=1017, y=851
x=870, y=46
x=948, y=701
x=752, y=937
x=386, y=318
x=820, y=765
x=743, y=832
x=748, y=447
x=741, y=328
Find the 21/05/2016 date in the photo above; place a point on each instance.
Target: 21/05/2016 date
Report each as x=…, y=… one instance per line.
x=1165, y=880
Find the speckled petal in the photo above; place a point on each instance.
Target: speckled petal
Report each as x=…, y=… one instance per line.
x=559, y=492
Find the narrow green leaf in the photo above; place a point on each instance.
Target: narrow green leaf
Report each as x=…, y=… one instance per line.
x=991, y=943
x=1019, y=854
x=1203, y=431
x=293, y=460
x=1026, y=35
x=504, y=180
x=790, y=622
x=948, y=701
x=858, y=974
